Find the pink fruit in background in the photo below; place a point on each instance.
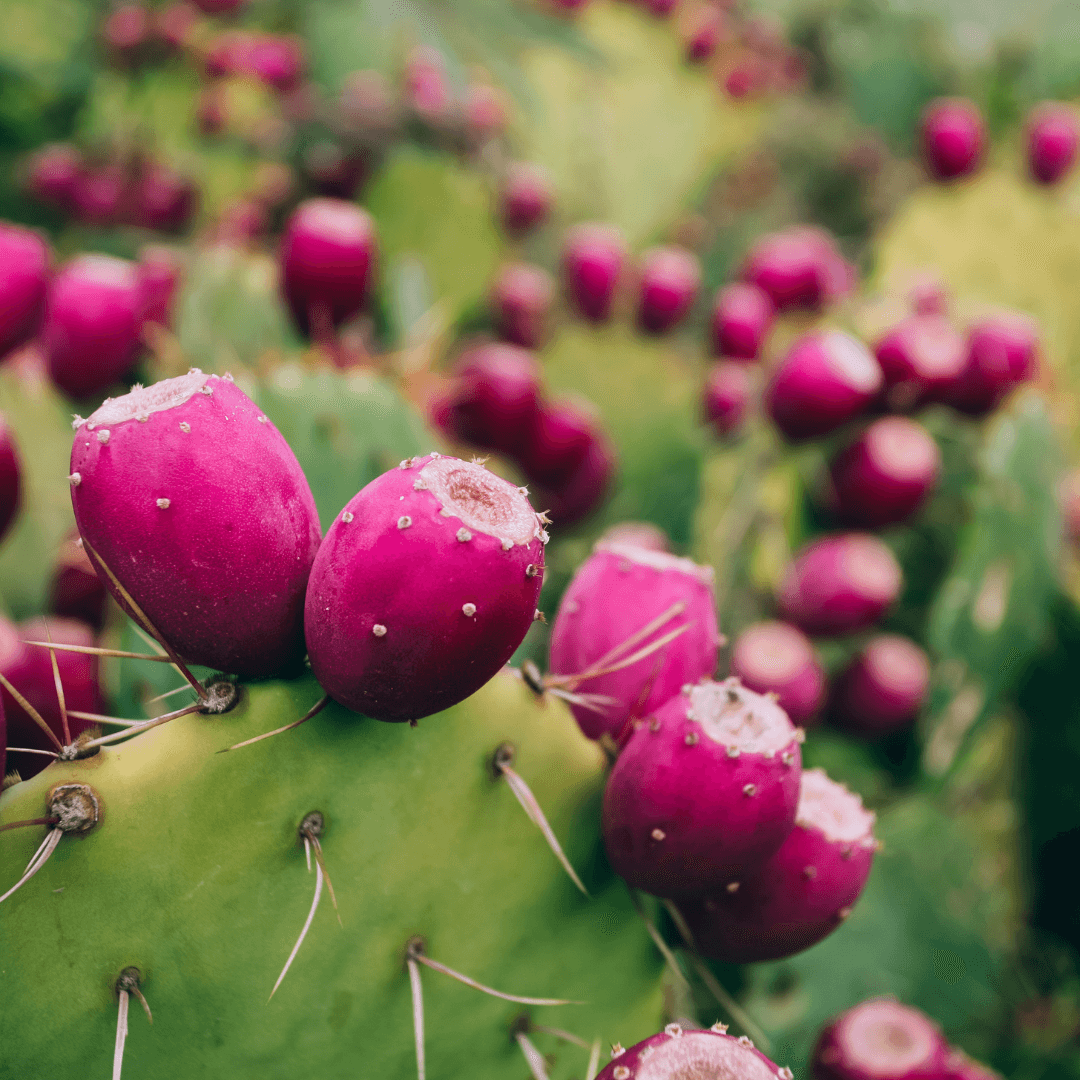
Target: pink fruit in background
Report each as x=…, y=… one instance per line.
x=800, y=895
x=24, y=276
x=275, y=59
x=332, y=171
x=840, y=584
x=164, y=200
x=880, y=1039
x=175, y=24
x=187, y=466
x=826, y=379
x=741, y=320
x=427, y=91
x=521, y=298
x=572, y=497
x=703, y=792
x=883, y=688
x=559, y=440
x=886, y=474
x=76, y=591
x=642, y=534
x=52, y=173
x=100, y=195
x=675, y=1054
x=159, y=270
x=920, y=358
x=29, y=669
x=127, y=30
x=619, y=591
x=929, y=295
x=660, y=8
x=210, y=110
x=797, y=268
x=1002, y=350
x=93, y=323
x=592, y=262
x=10, y=478
x=953, y=138
x=423, y=588
x=229, y=54
x=727, y=397
x=706, y=29
x=486, y=112
x=776, y=657
x=1052, y=138
x=328, y=254
x=669, y=281
x=960, y=1067
x=220, y=7
x=525, y=197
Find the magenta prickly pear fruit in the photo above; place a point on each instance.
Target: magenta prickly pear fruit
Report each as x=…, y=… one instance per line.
x=101, y=195
x=573, y=497
x=1069, y=501
x=706, y=29
x=886, y=474
x=52, y=173
x=187, y=466
x=618, y=592
x=920, y=358
x=880, y=1039
x=840, y=584
x=827, y=379
x=24, y=277
x=1052, y=138
x=427, y=91
x=727, y=395
x=126, y=31
x=642, y=534
x=174, y=25
x=559, y=441
x=77, y=592
x=521, y=297
x=332, y=171
x=960, y=1067
x=164, y=200
x=10, y=478
x=593, y=259
x=704, y=791
x=669, y=281
x=776, y=657
x=93, y=323
x=486, y=113
x=425, y=585
x=496, y=398
x=159, y=271
x=929, y=295
x=328, y=254
x=742, y=317
x=883, y=688
x=798, y=268
x=525, y=198
x=953, y=138
x=1002, y=350
x=675, y=1054
x=29, y=669
x=803, y=893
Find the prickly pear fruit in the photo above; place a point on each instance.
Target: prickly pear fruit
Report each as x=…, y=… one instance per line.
x=561, y=434
x=1002, y=350
x=642, y=534
x=10, y=478
x=840, y=584
x=880, y=1039
x=777, y=657
x=525, y=199
x=886, y=474
x=742, y=317
x=53, y=173
x=797, y=268
x=572, y=497
x=825, y=380
x=496, y=398
x=675, y=1054
x=521, y=297
x=704, y=792
x=803, y=893
x=919, y=359
x=592, y=263
x=93, y=323
x=1052, y=138
x=159, y=272
x=423, y=588
x=883, y=687
x=195, y=503
x=727, y=397
x=669, y=281
x=953, y=138
x=961, y=1067
x=618, y=592
x=24, y=274
x=77, y=591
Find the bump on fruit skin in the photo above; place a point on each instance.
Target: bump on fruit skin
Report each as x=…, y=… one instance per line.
x=728, y=390
x=521, y=297
x=920, y=358
x=669, y=281
x=24, y=273
x=199, y=507
x=883, y=687
x=803, y=893
x=742, y=317
x=675, y=1054
x=953, y=138
x=777, y=657
x=618, y=590
x=703, y=792
x=411, y=609
x=525, y=198
x=1052, y=138
x=593, y=261
x=10, y=478
x=76, y=591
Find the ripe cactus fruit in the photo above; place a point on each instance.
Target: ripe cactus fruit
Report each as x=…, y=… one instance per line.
x=797, y=268
x=328, y=253
x=1052, y=138
x=920, y=358
x=77, y=592
x=159, y=277
x=840, y=584
x=675, y=1054
x=521, y=297
x=880, y=1039
x=93, y=323
x=593, y=259
x=886, y=474
x=423, y=588
x=825, y=380
x=778, y=657
x=164, y=200
x=10, y=478
x=669, y=281
x=164, y=475
x=1002, y=350
x=52, y=174
x=953, y=138
x=883, y=688
x=704, y=791
x=727, y=397
x=623, y=599
x=24, y=273
x=742, y=317
x=803, y=893
x=571, y=497
x=525, y=197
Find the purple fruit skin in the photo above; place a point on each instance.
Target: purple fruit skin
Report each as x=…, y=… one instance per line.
x=836, y=1057
x=695, y=1055
x=1052, y=139
x=164, y=200
x=100, y=195
x=592, y=263
x=794, y=674
x=797, y=268
x=618, y=590
x=669, y=281
x=521, y=297
x=886, y=474
x=953, y=138
x=919, y=358
x=840, y=584
x=827, y=379
x=24, y=277
x=76, y=591
x=231, y=486
x=526, y=198
x=328, y=256
x=1002, y=350
x=453, y=602
x=727, y=397
x=683, y=817
x=559, y=441
x=496, y=398
x=883, y=688
x=572, y=497
x=742, y=317
x=93, y=323
x=52, y=174
x=159, y=273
